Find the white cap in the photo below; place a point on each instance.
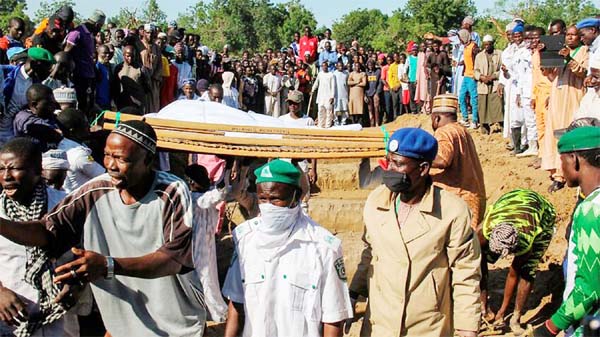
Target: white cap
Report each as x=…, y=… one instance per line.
x=65, y=95
x=488, y=38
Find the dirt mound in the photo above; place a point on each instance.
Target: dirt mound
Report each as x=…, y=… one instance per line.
x=338, y=205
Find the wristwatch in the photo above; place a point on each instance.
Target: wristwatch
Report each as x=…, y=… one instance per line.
x=110, y=268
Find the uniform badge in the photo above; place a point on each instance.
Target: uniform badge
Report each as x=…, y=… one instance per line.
x=393, y=145
x=340, y=268
x=266, y=172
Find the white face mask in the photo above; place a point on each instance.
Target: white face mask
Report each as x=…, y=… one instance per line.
x=277, y=219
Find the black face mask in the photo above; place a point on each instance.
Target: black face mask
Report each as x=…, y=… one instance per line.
x=397, y=182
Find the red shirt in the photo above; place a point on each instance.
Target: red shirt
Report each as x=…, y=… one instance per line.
x=169, y=86
x=309, y=44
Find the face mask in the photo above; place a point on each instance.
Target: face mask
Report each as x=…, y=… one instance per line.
x=276, y=219
x=396, y=181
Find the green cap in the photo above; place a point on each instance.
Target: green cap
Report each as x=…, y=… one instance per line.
x=40, y=54
x=580, y=139
x=278, y=171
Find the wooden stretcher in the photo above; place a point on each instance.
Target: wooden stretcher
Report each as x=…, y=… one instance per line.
x=292, y=143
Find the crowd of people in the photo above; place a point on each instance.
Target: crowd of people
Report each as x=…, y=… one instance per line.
x=127, y=248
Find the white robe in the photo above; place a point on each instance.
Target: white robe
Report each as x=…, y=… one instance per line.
x=325, y=83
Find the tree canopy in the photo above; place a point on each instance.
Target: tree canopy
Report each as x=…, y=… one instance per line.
x=259, y=24
x=47, y=8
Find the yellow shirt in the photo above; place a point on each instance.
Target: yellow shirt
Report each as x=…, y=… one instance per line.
x=469, y=60
x=392, y=77
x=166, y=72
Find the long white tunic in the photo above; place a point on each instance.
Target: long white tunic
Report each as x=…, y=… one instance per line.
x=325, y=83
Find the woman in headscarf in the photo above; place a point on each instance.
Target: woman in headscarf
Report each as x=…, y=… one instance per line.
x=189, y=90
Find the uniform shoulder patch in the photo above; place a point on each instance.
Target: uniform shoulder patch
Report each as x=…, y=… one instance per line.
x=242, y=229
x=340, y=268
x=331, y=241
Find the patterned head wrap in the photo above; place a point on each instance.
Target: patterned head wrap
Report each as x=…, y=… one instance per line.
x=189, y=81
x=503, y=239
x=138, y=131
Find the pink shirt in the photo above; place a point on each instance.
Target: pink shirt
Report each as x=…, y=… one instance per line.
x=384, y=76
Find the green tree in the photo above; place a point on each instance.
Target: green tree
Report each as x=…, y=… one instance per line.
x=151, y=13
x=296, y=19
x=14, y=8
x=126, y=18
x=194, y=18
x=362, y=24
x=47, y=8
x=542, y=12
x=436, y=16
x=267, y=19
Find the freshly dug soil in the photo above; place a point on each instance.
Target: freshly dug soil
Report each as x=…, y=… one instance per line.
x=337, y=203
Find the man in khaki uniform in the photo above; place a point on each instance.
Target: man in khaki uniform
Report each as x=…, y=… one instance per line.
x=420, y=267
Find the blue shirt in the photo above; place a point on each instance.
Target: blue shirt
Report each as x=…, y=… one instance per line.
x=103, y=87
x=413, y=62
x=328, y=56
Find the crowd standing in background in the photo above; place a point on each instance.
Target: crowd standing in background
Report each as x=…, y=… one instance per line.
x=127, y=248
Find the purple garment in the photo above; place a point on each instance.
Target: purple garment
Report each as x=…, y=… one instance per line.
x=25, y=118
x=83, y=51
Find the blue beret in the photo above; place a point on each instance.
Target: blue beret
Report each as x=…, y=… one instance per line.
x=588, y=23
x=413, y=143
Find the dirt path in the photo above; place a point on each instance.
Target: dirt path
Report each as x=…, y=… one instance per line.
x=339, y=202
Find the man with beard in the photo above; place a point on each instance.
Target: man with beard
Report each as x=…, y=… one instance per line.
x=80, y=44
x=134, y=229
x=420, y=266
x=25, y=197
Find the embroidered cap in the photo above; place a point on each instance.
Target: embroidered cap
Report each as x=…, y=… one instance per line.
x=138, y=131
x=446, y=103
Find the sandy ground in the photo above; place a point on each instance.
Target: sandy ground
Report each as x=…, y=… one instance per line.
x=337, y=204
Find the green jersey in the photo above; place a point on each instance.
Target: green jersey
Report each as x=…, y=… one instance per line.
x=584, y=298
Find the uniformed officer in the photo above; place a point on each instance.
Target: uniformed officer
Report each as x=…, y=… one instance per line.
x=420, y=266
x=287, y=277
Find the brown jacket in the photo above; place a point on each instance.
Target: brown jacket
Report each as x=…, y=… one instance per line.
x=481, y=68
x=421, y=279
